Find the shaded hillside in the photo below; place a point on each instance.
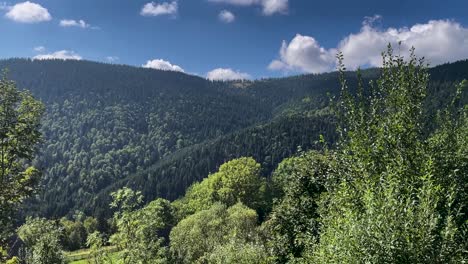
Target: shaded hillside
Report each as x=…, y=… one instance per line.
x=268, y=144
x=109, y=125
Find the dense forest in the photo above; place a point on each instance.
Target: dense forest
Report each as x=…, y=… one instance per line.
x=109, y=125
x=147, y=166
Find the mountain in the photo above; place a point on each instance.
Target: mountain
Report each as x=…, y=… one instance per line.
x=268, y=144
x=107, y=126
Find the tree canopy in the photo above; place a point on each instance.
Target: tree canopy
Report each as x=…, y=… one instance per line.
x=20, y=116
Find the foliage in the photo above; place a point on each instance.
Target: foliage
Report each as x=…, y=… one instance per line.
x=140, y=232
x=268, y=144
x=126, y=200
x=106, y=122
x=448, y=147
x=238, y=180
x=390, y=205
x=239, y=253
x=42, y=241
x=90, y=224
x=20, y=117
x=74, y=234
x=293, y=225
x=13, y=260
x=98, y=255
x=198, y=235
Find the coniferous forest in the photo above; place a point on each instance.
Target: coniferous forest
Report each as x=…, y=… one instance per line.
x=104, y=163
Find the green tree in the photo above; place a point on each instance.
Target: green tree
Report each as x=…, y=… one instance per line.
x=95, y=243
x=238, y=180
x=90, y=224
x=126, y=200
x=74, y=234
x=140, y=232
x=391, y=204
x=196, y=237
x=20, y=116
x=42, y=241
x=293, y=225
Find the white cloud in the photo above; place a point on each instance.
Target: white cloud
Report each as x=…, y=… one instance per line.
x=39, y=48
x=226, y=16
x=269, y=7
x=73, y=23
x=162, y=65
x=59, y=55
x=223, y=74
x=154, y=9
x=305, y=54
x=439, y=41
x=28, y=12
x=112, y=59
x=274, y=6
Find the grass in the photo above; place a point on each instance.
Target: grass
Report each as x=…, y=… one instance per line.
x=82, y=256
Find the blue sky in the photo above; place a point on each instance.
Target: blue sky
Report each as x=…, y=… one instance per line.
x=250, y=39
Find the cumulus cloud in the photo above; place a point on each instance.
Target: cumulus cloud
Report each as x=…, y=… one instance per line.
x=74, y=23
x=162, y=65
x=269, y=7
x=59, y=55
x=226, y=74
x=305, y=54
x=226, y=16
x=28, y=12
x=154, y=9
x=274, y=6
x=439, y=41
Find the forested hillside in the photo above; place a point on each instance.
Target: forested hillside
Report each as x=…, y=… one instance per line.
x=105, y=122
x=371, y=170
x=269, y=144
x=107, y=126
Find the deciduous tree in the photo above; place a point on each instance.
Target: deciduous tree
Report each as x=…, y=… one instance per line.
x=20, y=116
